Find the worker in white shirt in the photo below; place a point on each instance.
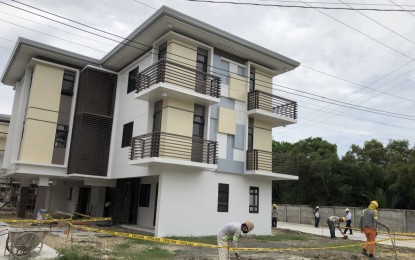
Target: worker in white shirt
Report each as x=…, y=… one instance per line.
x=348, y=222
x=231, y=233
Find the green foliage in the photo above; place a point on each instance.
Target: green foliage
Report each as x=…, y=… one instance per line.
x=371, y=172
x=73, y=253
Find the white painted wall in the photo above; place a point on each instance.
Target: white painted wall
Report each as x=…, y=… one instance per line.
x=145, y=215
x=59, y=197
x=97, y=201
x=188, y=202
x=127, y=109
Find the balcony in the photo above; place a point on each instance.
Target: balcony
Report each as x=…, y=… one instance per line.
x=277, y=165
x=171, y=79
x=277, y=110
x=172, y=149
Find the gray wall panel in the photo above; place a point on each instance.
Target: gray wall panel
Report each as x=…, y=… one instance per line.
x=239, y=137
x=230, y=166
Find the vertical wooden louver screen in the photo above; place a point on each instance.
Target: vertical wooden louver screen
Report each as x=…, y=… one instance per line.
x=91, y=133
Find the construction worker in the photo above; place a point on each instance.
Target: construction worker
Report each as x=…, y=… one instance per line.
x=231, y=233
x=316, y=216
x=274, y=215
x=368, y=221
x=334, y=222
x=348, y=222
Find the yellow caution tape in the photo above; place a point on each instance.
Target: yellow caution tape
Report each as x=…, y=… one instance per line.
x=54, y=220
x=82, y=215
x=148, y=238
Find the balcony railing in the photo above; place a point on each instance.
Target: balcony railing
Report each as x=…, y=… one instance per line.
x=179, y=75
x=172, y=146
x=274, y=104
x=271, y=162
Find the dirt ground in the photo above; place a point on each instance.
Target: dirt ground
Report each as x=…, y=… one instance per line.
x=289, y=249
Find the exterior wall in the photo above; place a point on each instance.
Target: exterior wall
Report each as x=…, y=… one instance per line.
x=176, y=185
x=60, y=199
x=262, y=135
x=399, y=220
x=128, y=109
x=263, y=81
x=237, y=87
x=227, y=121
x=4, y=129
x=146, y=214
x=42, y=114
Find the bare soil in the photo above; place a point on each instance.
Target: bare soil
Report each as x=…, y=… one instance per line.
x=103, y=246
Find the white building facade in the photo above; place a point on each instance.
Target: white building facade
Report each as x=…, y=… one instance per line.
x=170, y=132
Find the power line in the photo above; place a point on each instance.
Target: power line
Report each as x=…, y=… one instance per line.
x=332, y=101
x=301, y=6
x=331, y=3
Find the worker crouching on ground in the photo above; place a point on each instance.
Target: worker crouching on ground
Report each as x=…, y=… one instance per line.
x=368, y=221
x=231, y=233
x=334, y=222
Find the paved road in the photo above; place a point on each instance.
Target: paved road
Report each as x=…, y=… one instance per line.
x=357, y=235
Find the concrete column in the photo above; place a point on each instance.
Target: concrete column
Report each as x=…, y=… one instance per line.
x=42, y=191
x=24, y=198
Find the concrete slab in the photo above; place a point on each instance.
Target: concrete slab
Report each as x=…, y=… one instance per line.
x=357, y=235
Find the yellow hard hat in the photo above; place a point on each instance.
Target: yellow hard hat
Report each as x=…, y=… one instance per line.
x=375, y=203
x=249, y=224
x=342, y=219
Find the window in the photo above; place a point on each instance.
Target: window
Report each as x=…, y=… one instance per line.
x=241, y=71
x=198, y=121
x=253, y=199
x=223, y=197
x=61, y=136
x=144, y=195
x=251, y=134
x=127, y=134
x=132, y=80
x=252, y=79
x=68, y=84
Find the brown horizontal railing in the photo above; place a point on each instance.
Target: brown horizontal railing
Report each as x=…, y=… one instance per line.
x=159, y=144
x=277, y=105
x=178, y=74
x=272, y=162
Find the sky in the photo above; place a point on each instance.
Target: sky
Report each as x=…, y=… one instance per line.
x=356, y=81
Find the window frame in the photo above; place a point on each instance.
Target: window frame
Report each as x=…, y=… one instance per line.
x=64, y=131
x=253, y=199
x=127, y=134
x=132, y=79
x=65, y=90
x=223, y=206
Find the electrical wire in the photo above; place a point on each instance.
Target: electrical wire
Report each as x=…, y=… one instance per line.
x=300, y=6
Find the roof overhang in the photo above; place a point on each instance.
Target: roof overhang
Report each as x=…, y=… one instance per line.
x=26, y=49
x=166, y=19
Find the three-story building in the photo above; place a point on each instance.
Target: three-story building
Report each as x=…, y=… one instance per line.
x=170, y=132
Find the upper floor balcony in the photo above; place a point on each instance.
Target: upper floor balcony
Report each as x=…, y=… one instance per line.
x=280, y=166
x=165, y=148
x=270, y=108
x=171, y=79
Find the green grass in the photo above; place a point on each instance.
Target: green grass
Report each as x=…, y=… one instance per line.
x=284, y=237
x=73, y=253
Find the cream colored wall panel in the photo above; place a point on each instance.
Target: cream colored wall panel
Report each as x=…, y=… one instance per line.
x=177, y=117
x=222, y=140
x=263, y=81
x=40, y=114
x=4, y=129
x=181, y=104
x=45, y=91
x=227, y=121
x=237, y=87
x=38, y=142
x=184, y=54
x=262, y=135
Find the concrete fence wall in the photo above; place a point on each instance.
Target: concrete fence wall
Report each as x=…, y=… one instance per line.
x=399, y=220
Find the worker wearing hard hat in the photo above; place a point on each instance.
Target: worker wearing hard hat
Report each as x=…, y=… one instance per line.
x=231, y=233
x=348, y=221
x=316, y=216
x=274, y=215
x=334, y=222
x=368, y=221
